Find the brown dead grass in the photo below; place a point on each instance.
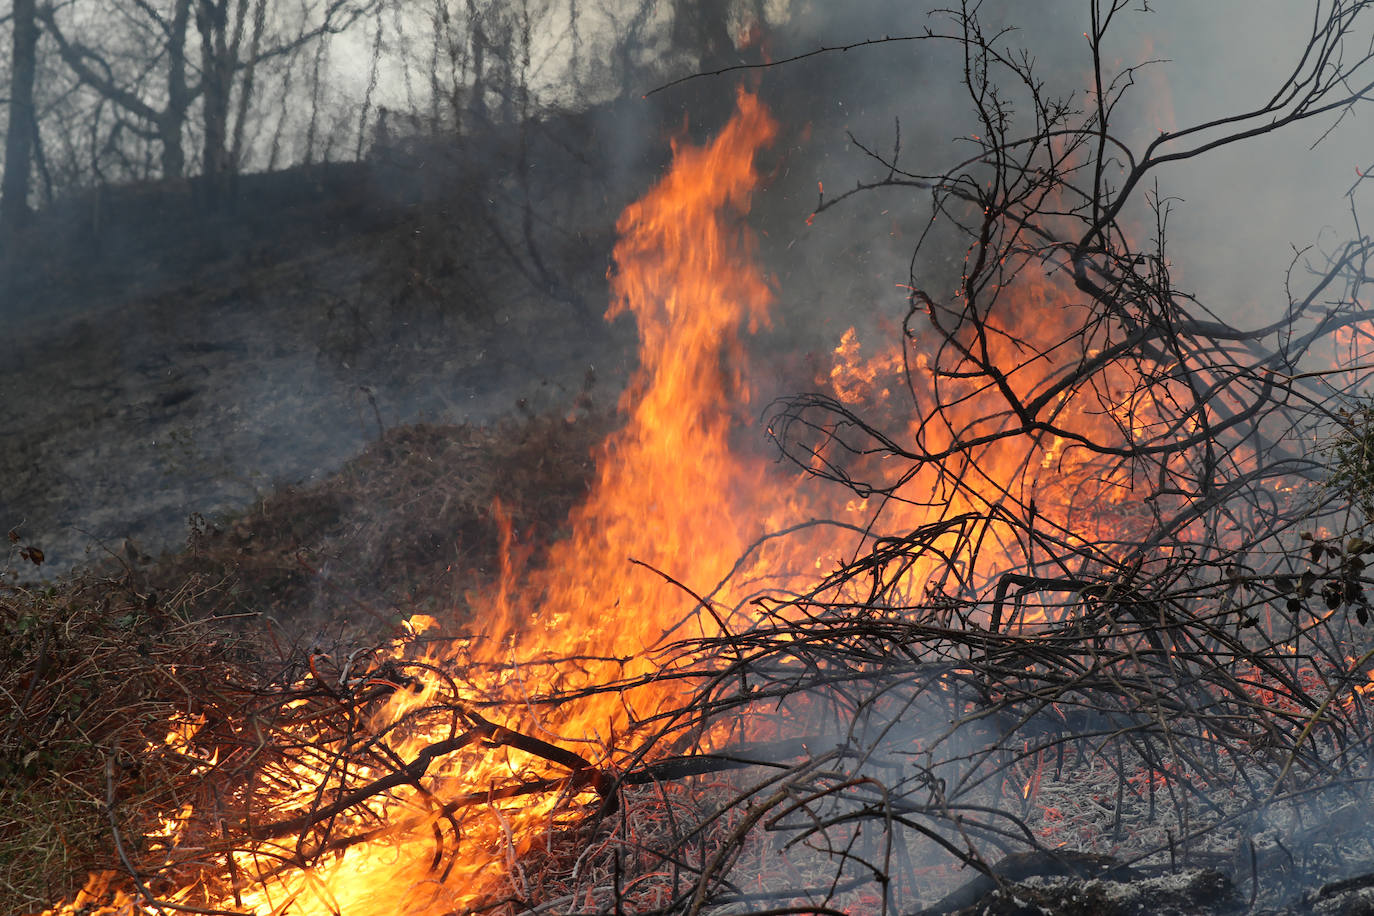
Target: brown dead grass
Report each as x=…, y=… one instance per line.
x=407, y=526
x=97, y=667
x=94, y=673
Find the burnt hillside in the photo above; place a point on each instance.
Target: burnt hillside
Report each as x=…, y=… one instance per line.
x=164, y=361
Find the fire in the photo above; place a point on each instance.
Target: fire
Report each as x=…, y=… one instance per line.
x=670, y=497
x=1072, y=492
x=671, y=491
x=678, y=504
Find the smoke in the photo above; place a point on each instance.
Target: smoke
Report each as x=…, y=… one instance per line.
x=1235, y=215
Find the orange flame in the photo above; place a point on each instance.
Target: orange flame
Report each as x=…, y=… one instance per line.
x=679, y=497
x=670, y=495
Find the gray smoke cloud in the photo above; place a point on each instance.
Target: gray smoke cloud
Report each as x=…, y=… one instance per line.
x=1237, y=213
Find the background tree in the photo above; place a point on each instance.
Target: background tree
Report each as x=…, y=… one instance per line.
x=226, y=63
x=123, y=73
x=142, y=70
x=129, y=87
x=19, y=134
x=702, y=29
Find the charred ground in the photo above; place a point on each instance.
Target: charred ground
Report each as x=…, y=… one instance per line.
x=163, y=362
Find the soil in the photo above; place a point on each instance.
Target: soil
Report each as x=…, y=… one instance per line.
x=267, y=347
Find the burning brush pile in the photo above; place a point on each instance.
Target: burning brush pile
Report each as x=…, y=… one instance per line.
x=1054, y=587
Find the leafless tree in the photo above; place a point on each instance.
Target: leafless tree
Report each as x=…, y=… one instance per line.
x=19, y=135
x=702, y=29
x=225, y=61
x=133, y=89
x=135, y=58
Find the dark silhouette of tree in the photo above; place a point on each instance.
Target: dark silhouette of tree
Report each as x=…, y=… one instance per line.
x=164, y=120
x=19, y=138
x=234, y=40
x=233, y=43
x=701, y=28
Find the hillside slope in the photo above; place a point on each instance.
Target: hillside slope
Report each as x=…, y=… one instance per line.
x=163, y=363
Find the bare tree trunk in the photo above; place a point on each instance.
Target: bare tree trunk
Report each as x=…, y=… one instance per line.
x=627, y=42
x=246, y=87
x=456, y=60
x=168, y=121
x=702, y=28
x=372, y=73
x=173, y=120
x=575, y=51
x=313, y=127
x=505, y=73
x=14, y=195
x=219, y=57
x=40, y=161
x=211, y=21
x=478, y=39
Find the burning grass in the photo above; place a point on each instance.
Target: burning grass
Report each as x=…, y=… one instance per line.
x=100, y=667
x=95, y=675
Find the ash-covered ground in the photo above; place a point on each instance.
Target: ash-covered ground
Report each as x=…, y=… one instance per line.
x=168, y=366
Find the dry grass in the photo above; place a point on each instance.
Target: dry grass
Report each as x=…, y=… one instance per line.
x=406, y=526
x=95, y=671
x=98, y=666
